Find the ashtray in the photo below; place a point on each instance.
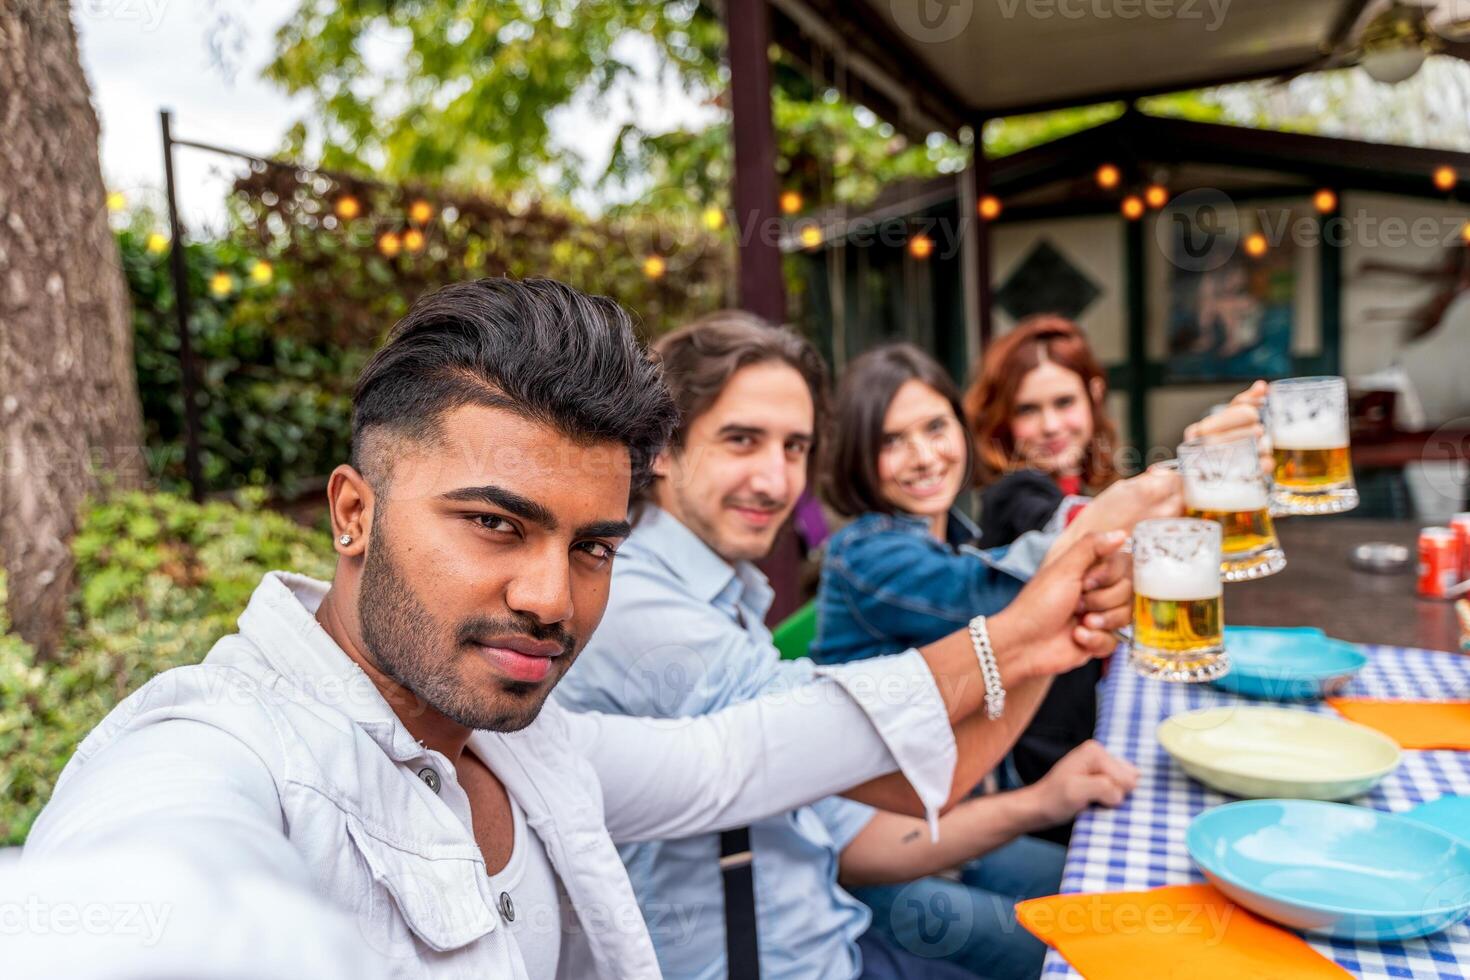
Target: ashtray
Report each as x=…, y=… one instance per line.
x=1380, y=557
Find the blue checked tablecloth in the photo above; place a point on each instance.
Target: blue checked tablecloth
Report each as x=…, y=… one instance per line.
x=1141, y=844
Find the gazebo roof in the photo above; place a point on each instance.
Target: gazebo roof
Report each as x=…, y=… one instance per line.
x=943, y=64
x=1059, y=176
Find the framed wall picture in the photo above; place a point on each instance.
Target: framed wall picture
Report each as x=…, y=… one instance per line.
x=1232, y=319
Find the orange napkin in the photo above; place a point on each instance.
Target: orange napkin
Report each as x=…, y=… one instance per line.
x=1179, y=931
x=1412, y=724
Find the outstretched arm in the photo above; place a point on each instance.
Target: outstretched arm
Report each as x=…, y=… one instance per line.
x=853, y=726
x=174, y=831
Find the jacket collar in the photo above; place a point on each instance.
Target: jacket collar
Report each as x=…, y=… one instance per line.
x=280, y=621
x=959, y=529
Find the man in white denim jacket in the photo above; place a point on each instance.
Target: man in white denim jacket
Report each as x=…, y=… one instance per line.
x=367, y=780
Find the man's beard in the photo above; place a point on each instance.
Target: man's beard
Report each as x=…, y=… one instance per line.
x=409, y=645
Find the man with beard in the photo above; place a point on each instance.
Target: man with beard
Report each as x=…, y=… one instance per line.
x=378, y=751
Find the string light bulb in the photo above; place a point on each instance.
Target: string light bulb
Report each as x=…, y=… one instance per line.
x=348, y=207
x=654, y=267
x=1325, y=201
x=989, y=207
x=1465, y=233
x=921, y=246
x=1156, y=196
x=810, y=236
x=1445, y=178
x=714, y=218
x=1108, y=176
x=262, y=272
x=791, y=202
x=413, y=240
x=1133, y=207
x=221, y=284
x=157, y=243
x=420, y=212
x=1256, y=245
x=389, y=244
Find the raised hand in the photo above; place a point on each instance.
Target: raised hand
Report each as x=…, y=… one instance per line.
x=1066, y=615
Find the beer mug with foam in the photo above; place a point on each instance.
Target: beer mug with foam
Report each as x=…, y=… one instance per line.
x=1223, y=482
x=1308, y=422
x=1178, y=603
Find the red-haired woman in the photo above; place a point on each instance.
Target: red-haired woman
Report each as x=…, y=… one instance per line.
x=1037, y=414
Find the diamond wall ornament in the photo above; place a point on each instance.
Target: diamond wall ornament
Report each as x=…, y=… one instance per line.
x=1046, y=282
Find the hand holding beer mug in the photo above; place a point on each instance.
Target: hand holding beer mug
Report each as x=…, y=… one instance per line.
x=1308, y=421
x=1178, y=603
x=1223, y=482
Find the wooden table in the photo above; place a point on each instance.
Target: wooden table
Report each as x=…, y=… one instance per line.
x=1319, y=588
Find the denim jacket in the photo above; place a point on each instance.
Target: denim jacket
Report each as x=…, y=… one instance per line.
x=888, y=584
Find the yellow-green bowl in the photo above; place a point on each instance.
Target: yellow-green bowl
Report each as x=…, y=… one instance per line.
x=1267, y=753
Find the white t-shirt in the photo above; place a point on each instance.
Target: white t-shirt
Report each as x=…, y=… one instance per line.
x=531, y=899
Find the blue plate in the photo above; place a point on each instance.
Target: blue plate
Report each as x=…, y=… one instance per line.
x=1332, y=869
x=1287, y=664
x=1449, y=813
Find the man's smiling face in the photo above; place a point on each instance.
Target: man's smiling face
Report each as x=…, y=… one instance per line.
x=488, y=561
x=743, y=463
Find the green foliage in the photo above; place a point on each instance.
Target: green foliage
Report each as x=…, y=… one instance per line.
x=275, y=406
x=471, y=83
x=161, y=579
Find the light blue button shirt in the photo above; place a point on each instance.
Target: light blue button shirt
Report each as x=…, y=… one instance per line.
x=684, y=635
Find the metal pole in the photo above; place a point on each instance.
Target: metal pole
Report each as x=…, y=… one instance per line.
x=187, y=368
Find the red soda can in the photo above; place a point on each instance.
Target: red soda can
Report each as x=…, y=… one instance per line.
x=1439, y=562
x=1460, y=524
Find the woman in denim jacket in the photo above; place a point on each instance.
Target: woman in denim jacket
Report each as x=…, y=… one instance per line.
x=904, y=572
x=907, y=570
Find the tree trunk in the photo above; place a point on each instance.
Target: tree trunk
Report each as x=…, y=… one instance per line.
x=69, y=410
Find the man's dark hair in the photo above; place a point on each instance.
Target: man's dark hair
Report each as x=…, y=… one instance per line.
x=850, y=465
x=533, y=346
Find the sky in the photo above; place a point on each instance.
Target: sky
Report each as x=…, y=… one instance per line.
x=143, y=55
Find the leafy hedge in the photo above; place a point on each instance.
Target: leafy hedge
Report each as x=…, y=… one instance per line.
x=277, y=409
x=160, y=579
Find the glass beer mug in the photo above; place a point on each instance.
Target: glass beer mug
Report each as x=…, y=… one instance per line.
x=1308, y=422
x=1178, y=602
x=1223, y=482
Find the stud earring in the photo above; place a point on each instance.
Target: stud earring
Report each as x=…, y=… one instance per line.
x=345, y=539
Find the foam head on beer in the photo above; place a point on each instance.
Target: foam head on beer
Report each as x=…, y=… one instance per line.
x=1165, y=577
x=1234, y=496
x=1325, y=430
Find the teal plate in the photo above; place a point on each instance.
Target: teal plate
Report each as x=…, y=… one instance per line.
x=1296, y=664
x=1449, y=813
x=1335, y=870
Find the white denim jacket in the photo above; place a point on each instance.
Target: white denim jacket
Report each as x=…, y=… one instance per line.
x=274, y=790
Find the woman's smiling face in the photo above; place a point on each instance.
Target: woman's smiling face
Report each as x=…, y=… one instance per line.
x=1052, y=422
x=922, y=455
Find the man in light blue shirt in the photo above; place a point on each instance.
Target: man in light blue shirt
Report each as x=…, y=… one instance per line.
x=684, y=635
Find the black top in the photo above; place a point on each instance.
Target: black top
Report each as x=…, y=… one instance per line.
x=1016, y=503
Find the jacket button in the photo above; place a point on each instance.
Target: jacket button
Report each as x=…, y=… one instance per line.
x=430, y=778
x=507, y=907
